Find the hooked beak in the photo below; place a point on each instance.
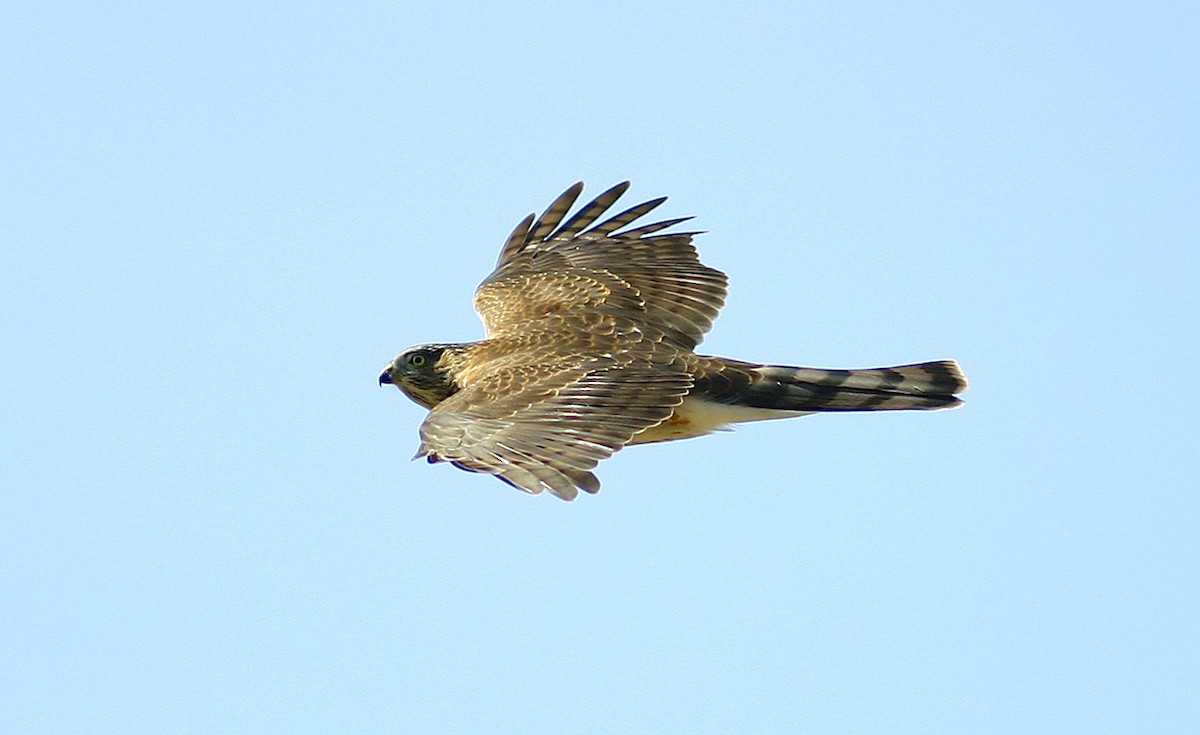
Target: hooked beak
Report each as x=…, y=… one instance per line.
x=385, y=378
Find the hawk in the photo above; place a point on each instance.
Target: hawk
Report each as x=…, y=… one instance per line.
x=591, y=331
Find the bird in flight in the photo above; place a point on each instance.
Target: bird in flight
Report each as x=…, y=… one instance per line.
x=591, y=331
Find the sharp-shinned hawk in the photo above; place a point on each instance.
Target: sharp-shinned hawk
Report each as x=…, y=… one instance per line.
x=590, y=336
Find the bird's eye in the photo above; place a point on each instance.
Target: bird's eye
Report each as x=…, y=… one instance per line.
x=417, y=360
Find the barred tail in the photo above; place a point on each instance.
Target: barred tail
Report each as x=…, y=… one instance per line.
x=924, y=386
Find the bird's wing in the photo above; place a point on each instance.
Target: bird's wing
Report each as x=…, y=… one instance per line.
x=543, y=410
x=549, y=265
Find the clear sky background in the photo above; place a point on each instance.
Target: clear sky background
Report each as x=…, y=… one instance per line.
x=219, y=221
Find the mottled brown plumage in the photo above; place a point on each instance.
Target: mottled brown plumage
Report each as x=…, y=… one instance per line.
x=589, y=348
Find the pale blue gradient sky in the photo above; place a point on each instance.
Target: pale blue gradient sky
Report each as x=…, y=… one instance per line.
x=221, y=220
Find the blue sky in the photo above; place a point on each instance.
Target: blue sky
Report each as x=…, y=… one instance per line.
x=221, y=220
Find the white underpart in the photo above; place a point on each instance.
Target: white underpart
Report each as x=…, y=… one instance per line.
x=696, y=417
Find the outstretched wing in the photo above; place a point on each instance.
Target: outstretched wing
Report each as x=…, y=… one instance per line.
x=551, y=266
x=544, y=426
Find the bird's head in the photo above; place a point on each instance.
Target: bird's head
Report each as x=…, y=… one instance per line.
x=420, y=374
